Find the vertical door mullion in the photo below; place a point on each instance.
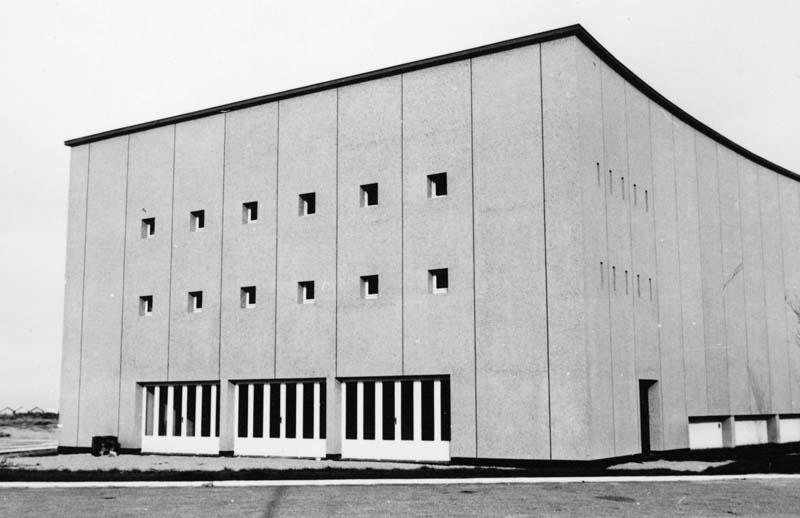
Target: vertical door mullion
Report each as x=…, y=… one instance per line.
x=184, y=404
x=265, y=415
x=298, y=422
x=378, y=411
x=437, y=410
x=169, y=409
x=316, y=410
x=360, y=411
x=213, y=411
x=283, y=411
x=417, y=410
x=398, y=410
x=250, y=396
x=198, y=410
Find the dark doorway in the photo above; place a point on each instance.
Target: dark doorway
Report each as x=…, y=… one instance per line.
x=646, y=395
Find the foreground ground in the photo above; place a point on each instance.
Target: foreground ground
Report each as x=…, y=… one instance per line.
x=779, y=497
x=28, y=431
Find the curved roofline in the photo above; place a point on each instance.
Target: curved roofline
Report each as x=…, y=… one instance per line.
x=576, y=30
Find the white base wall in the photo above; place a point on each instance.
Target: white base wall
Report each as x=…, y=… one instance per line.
x=185, y=445
x=790, y=429
x=704, y=435
x=436, y=451
x=274, y=447
x=751, y=431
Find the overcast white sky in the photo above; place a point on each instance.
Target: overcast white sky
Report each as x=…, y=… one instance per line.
x=69, y=69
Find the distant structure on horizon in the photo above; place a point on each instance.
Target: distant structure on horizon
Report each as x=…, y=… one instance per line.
x=520, y=251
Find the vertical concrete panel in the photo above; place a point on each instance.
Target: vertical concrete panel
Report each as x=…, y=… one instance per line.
x=618, y=194
x=642, y=208
x=691, y=276
x=790, y=224
x=668, y=279
x=733, y=280
x=73, y=296
x=248, y=334
x=509, y=257
x=437, y=233
x=306, y=333
x=370, y=237
x=774, y=292
x=711, y=267
x=103, y=289
x=569, y=424
x=147, y=264
x=194, y=337
x=592, y=184
x=758, y=353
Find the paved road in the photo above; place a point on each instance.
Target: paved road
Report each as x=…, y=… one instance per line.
x=729, y=498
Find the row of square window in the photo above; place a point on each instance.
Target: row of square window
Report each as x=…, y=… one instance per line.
x=437, y=188
x=438, y=283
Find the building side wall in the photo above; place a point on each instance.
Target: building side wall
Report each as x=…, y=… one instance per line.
x=724, y=313
x=73, y=296
x=103, y=289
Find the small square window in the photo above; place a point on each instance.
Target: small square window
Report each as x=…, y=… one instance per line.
x=438, y=281
x=250, y=212
x=437, y=185
x=148, y=227
x=369, y=286
x=248, y=295
x=145, y=305
x=369, y=195
x=305, y=292
x=195, y=301
x=308, y=203
x=197, y=220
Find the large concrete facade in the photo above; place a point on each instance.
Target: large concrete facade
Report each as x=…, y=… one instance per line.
x=594, y=242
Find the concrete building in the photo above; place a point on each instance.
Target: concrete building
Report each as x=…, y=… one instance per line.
x=519, y=251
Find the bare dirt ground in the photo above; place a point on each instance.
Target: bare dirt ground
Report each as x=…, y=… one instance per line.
x=82, y=462
x=774, y=498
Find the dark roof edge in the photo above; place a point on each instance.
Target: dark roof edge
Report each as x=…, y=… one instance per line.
x=563, y=32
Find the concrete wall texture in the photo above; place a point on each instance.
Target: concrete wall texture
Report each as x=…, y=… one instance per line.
x=592, y=240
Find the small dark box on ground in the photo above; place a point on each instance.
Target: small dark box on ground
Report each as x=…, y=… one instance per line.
x=105, y=445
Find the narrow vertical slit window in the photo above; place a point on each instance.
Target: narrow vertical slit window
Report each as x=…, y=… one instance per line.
x=369, y=195
x=611, y=181
x=249, y=212
x=646, y=202
x=635, y=196
x=601, y=274
x=597, y=164
x=248, y=296
x=308, y=203
x=626, y=282
x=622, y=186
x=146, y=305
x=305, y=292
x=438, y=280
x=650, y=282
x=437, y=185
x=369, y=286
x=197, y=220
x=195, y=301
x=614, y=277
x=638, y=286
x=148, y=227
